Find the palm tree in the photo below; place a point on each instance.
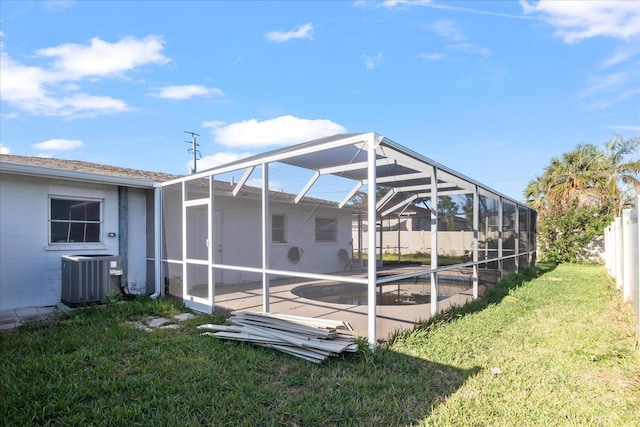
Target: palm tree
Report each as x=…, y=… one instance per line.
x=588, y=176
x=622, y=182
x=568, y=181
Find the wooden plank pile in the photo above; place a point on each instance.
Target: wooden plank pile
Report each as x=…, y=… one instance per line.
x=311, y=339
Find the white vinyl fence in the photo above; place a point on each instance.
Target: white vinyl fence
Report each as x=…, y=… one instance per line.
x=622, y=257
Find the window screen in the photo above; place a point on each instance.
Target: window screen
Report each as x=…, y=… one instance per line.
x=75, y=221
x=278, y=232
x=326, y=229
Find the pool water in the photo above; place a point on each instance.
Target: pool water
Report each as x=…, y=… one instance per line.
x=403, y=293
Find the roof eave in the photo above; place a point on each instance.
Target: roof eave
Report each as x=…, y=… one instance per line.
x=69, y=175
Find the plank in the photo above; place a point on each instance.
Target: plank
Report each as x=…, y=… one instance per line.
x=225, y=328
x=301, y=337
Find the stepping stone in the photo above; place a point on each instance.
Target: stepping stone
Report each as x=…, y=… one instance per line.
x=172, y=326
x=158, y=321
x=183, y=316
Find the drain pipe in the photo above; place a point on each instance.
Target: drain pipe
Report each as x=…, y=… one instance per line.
x=157, y=240
x=123, y=230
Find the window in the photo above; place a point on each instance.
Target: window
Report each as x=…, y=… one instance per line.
x=75, y=221
x=278, y=232
x=390, y=224
x=326, y=229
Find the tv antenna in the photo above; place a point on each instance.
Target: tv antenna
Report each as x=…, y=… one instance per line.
x=194, y=149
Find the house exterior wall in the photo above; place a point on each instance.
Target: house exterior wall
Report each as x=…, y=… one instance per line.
x=241, y=230
x=30, y=268
x=237, y=237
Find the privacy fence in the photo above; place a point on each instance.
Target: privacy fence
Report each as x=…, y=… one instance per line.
x=622, y=257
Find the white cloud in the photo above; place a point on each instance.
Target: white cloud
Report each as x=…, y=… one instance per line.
x=302, y=32
x=451, y=30
x=578, y=20
x=104, y=59
x=432, y=56
x=59, y=144
x=470, y=49
x=56, y=90
x=89, y=105
x=605, y=90
x=406, y=4
x=282, y=130
x=372, y=62
x=448, y=29
x=605, y=83
x=186, y=92
x=621, y=55
x=19, y=82
x=4, y=149
x=222, y=158
x=612, y=99
x=58, y=5
x=396, y=3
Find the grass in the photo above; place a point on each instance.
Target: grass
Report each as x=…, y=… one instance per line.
x=390, y=258
x=557, y=349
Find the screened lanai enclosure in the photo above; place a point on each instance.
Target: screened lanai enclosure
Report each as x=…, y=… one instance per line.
x=352, y=227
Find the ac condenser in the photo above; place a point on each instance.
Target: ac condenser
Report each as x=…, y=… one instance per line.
x=88, y=278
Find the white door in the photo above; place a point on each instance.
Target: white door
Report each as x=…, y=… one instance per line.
x=197, y=277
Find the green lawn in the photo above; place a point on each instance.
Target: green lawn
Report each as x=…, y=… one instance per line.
x=559, y=349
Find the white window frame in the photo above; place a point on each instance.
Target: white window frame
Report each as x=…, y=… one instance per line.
x=67, y=244
x=284, y=229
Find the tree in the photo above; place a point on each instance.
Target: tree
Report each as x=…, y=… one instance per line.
x=570, y=181
x=588, y=176
x=447, y=211
x=582, y=190
x=621, y=173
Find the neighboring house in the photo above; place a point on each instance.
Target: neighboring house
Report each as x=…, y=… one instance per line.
x=417, y=218
x=408, y=231
x=52, y=207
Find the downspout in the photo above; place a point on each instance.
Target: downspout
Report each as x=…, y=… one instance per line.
x=157, y=241
x=123, y=231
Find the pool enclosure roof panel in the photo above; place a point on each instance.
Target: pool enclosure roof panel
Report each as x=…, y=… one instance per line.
x=398, y=168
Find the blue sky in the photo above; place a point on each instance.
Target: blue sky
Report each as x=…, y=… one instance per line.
x=492, y=89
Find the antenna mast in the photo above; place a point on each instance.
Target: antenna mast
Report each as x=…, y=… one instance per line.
x=193, y=149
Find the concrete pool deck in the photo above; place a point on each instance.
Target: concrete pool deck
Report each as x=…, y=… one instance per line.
x=248, y=297
x=390, y=318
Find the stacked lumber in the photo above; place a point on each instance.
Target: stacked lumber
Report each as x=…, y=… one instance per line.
x=311, y=339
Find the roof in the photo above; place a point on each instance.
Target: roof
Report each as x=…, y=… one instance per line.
x=79, y=170
x=86, y=171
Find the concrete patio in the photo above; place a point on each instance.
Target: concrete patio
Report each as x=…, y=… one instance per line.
x=10, y=319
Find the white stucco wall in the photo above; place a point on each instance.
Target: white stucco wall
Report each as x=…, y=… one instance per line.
x=241, y=238
x=30, y=268
x=238, y=237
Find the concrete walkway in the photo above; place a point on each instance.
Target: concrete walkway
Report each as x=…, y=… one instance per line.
x=10, y=319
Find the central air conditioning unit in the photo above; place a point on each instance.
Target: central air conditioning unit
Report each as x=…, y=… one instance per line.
x=88, y=278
